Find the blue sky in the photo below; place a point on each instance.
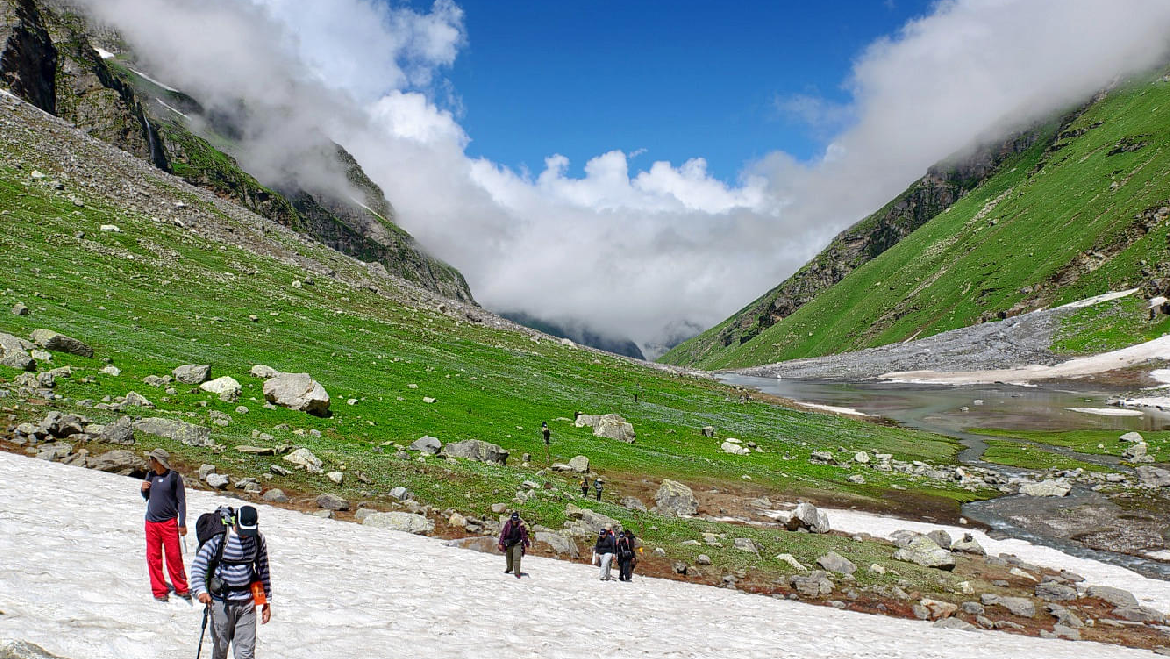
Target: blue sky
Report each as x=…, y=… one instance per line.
x=680, y=79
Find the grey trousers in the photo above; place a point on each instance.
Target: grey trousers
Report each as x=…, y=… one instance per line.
x=606, y=563
x=234, y=623
x=514, y=553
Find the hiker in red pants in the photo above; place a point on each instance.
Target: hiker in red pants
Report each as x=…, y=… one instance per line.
x=166, y=520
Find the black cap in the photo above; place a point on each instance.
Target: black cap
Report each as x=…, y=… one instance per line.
x=246, y=521
x=515, y=515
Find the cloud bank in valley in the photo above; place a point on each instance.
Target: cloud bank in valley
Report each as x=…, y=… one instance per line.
x=630, y=252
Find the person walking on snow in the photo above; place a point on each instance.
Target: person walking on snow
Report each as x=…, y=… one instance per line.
x=241, y=568
x=514, y=542
x=605, y=549
x=166, y=520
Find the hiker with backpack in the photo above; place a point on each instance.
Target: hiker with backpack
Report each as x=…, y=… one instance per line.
x=597, y=485
x=230, y=576
x=627, y=555
x=605, y=549
x=514, y=543
x=166, y=520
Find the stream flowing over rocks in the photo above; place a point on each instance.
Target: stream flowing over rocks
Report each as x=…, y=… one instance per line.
x=381, y=587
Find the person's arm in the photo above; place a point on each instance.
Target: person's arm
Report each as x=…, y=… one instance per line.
x=181, y=503
x=199, y=568
x=265, y=578
x=523, y=538
x=146, y=488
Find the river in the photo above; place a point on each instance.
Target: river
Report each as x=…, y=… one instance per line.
x=953, y=411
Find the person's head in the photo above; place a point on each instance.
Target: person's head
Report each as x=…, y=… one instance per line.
x=247, y=522
x=601, y=534
x=515, y=518
x=544, y=424
x=160, y=460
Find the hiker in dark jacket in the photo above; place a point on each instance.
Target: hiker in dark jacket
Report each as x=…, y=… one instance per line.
x=625, y=556
x=605, y=549
x=514, y=543
x=243, y=561
x=585, y=487
x=597, y=485
x=166, y=520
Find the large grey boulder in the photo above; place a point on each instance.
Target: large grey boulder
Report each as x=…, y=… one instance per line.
x=14, y=353
x=478, y=450
x=968, y=545
x=834, y=562
x=1153, y=476
x=303, y=458
x=612, y=426
x=807, y=517
x=227, y=388
x=399, y=521
x=13, y=649
x=1020, y=606
x=275, y=495
x=675, y=499
x=179, y=431
x=1050, y=591
x=263, y=372
x=332, y=502
x=583, y=522
x=1047, y=488
x=50, y=340
x=941, y=538
x=54, y=452
x=559, y=543
x=427, y=445
x=921, y=550
x=579, y=464
x=192, y=373
x=118, y=432
x=1115, y=596
x=118, y=462
x=816, y=584
x=297, y=391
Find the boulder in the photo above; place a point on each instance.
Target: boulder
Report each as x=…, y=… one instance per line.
x=50, y=340
x=938, y=609
x=1136, y=452
x=1050, y=591
x=54, y=452
x=263, y=372
x=135, y=399
x=1132, y=437
x=303, y=458
x=1153, y=476
x=255, y=450
x=1115, y=596
x=941, y=538
x=118, y=432
x=1019, y=606
x=485, y=544
x=734, y=449
x=968, y=545
x=332, y=502
x=1139, y=614
x=955, y=623
x=559, y=543
x=633, y=503
x=227, y=388
x=791, y=560
x=14, y=649
x=179, y=431
x=822, y=458
x=611, y=426
x=275, y=495
x=19, y=309
x=192, y=373
x=703, y=559
x=110, y=369
x=834, y=562
x=217, y=481
x=1047, y=488
x=399, y=521
x=745, y=544
x=806, y=516
x=921, y=550
x=403, y=494
x=21, y=361
x=707, y=431
x=583, y=522
x=477, y=450
x=579, y=464
x=297, y=391
x=427, y=445
x=335, y=477
x=675, y=500
x=816, y=584
x=118, y=462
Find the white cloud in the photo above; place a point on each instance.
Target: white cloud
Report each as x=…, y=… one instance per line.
x=629, y=251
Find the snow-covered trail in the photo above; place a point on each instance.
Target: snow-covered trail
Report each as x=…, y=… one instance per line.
x=73, y=580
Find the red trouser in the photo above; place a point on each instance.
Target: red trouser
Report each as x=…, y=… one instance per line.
x=160, y=537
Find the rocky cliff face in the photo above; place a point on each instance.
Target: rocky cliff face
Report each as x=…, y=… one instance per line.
x=48, y=58
x=943, y=185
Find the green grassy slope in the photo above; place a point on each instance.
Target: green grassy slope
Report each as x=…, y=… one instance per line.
x=1059, y=222
x=160, y=293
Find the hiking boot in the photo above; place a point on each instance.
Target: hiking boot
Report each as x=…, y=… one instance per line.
x=162, y=598
x=517, y=574
x=186, y=597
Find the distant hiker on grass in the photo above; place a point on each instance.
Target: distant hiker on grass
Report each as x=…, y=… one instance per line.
x=545, y=432
x=597, y=485
x=605, y=549
x=230, y=575
x=585, y=486
x=166, y=520
x=514, y=542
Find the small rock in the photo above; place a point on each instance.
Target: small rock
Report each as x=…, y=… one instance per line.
x=332, y=502
x=192, y=374
x=218, y=481
x=336, y=476
x=19, y=309
x=834, y=562
x=276, y=495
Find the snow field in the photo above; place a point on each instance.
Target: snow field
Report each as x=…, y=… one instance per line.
x=73, y=580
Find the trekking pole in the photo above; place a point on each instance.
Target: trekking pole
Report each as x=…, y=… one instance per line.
x=203, y=630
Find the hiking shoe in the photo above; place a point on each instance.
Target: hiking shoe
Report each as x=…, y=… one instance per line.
x=162, y=598
x=186, y=597
x=517, y=575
